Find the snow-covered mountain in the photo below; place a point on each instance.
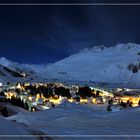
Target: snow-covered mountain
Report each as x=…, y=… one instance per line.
x=118, y=64
x=14, y=72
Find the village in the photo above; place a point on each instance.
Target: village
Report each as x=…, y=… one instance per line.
x=42, y=96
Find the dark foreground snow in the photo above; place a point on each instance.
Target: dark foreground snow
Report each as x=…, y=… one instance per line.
x=74, y=121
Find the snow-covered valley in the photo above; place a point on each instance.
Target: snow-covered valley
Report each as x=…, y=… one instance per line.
x=119, y=65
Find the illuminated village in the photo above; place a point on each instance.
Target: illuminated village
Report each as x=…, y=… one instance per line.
x=42, y=96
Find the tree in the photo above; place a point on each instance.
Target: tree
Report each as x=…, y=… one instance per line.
x=61, y=91
x=97, y=93
x=4, y=112
x=26, y=106
x=84, y=92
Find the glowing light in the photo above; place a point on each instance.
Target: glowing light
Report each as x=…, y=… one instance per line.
x=93, y=100
x=71, y=100
x=83, y=100
x=30, y=98
x=0, y=84
x=56, y=100
x=134, y=100
x=18, y=86
x=10, y=94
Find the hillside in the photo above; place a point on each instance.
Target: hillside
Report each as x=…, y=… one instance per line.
x=118, y=64
x=74, y=121
x=14, y=72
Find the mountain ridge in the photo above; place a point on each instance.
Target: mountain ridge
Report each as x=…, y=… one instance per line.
x=118, y=64
x=97, y=64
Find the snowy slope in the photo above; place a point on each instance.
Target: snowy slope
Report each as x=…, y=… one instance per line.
x=14, y=72
x=118, y=64
x=11, y=130
x=75, y=120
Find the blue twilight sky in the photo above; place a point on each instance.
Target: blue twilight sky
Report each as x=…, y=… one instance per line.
x=45, y=34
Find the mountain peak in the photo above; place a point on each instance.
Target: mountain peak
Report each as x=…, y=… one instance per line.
x=3, y=58
x=118, y=64
x=5, y=62
x=120, y=48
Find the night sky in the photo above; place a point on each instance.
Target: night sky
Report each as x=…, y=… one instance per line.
x=46, y=34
